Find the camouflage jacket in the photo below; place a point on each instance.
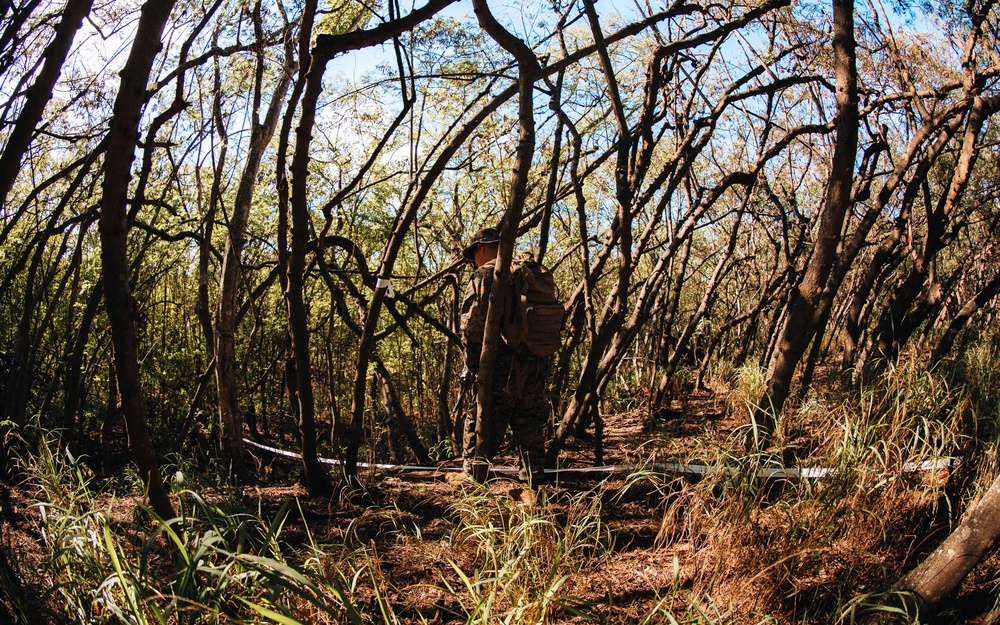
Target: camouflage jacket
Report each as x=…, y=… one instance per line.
x=474, y=305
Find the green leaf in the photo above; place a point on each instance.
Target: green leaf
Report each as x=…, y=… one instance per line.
x=277, y=617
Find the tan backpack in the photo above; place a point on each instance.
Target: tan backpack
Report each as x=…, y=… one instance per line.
x=534, y=320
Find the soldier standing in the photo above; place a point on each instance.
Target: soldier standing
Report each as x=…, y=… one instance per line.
x=519, y=399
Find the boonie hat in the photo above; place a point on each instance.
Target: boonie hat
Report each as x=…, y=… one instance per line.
x=486, y=235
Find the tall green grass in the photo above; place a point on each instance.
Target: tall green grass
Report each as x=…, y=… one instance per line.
x=110, y=560
x=524, y=555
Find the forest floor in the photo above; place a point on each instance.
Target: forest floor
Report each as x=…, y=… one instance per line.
x=410, y=518
x=407, y=523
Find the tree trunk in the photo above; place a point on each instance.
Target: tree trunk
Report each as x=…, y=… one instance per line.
x=327, y=46
x=109, y=421
x=662, y=396
x=22, y=368
x=445, y=432
x=945, y=568
x=122, y=138
x=202, y=306
x=72, y=273
x=225, y=330
x=288, y=376
x=800, y=326
x=399, y=417
x=528, y=72
x=72, y=378
x=898, y=321
x=40, y=92
x=315, y=476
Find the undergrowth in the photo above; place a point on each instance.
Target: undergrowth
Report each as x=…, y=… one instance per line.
x=110, y=560
x=894, y=466
x=524, y=555
x=899, y=461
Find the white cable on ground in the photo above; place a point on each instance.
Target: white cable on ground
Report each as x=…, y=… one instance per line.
x=660, y=467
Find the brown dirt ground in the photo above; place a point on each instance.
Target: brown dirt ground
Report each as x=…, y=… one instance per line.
x=408, y=519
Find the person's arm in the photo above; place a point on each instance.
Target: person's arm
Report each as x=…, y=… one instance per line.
x=474, y=305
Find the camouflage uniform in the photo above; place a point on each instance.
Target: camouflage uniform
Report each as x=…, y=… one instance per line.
x=519, y=395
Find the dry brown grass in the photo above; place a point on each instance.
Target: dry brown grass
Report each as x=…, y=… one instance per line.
x=722, y=548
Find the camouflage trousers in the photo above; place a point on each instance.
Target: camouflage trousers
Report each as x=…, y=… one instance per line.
x=520, y=403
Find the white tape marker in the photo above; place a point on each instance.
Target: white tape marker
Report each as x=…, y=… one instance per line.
x=810, y=473
x=385, y=284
